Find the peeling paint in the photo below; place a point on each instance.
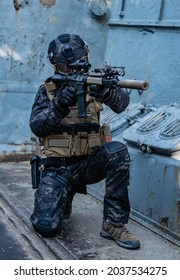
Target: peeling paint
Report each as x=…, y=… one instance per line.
x=48, y=2
x=164, y=222
x=15, y=157
x=53, y=19
x=7, y=51
x=17, y=5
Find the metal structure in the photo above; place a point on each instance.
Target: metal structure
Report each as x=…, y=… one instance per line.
x=143, y=37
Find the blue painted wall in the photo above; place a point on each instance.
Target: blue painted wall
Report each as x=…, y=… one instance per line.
x=24, y=39
x=144, y=36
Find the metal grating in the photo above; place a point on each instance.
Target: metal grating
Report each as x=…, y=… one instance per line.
x=152, y=123
x=171, y=130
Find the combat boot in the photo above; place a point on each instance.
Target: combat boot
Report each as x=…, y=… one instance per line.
x=119, y=233
x=67, y=212
x=68, y=208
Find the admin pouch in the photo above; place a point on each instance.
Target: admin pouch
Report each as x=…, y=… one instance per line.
x=56, y=145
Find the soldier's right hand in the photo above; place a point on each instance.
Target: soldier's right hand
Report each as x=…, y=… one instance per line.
x=67, y=97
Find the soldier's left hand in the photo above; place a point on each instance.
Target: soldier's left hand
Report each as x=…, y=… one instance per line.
x=99, y=92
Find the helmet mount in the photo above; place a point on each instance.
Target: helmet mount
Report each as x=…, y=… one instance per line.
x=68, y=52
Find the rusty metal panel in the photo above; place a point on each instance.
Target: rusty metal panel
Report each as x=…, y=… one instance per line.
x=154, y=145
x=155, y=190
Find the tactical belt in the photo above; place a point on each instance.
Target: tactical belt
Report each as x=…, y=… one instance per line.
x=74, y=129
x=58, y=161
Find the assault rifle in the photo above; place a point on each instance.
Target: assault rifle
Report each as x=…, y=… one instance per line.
x=107, y=76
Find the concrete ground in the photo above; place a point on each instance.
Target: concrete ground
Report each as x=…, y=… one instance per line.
x=79, y=237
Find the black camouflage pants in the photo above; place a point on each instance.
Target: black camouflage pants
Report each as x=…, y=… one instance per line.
x=110, y=162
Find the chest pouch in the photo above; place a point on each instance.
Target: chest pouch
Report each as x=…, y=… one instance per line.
x=94, y=141
x=58, y=145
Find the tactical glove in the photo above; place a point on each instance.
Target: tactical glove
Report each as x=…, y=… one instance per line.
x=117, y=100
x=99, y=92
x=66, y=97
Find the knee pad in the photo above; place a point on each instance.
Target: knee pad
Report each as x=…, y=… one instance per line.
x=50, y=202
x=118, y=152
x=114, y=147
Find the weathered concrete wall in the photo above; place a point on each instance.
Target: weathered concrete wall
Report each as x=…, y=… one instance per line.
x=27, y=27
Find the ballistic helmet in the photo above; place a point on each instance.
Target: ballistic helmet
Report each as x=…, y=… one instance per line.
x=65, y=50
